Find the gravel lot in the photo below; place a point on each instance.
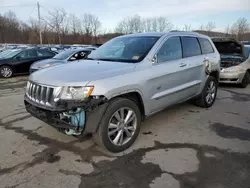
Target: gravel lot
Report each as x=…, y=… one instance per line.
x=184, y=146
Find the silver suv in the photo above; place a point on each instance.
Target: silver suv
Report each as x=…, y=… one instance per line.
x=124, y=81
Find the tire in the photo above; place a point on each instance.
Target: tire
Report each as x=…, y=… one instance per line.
x=202, y=101
x=245, y=81
x=6, y=71
x=102, y=137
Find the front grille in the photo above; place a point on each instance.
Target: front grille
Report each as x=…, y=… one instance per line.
x=40, y=93
x=225, y=64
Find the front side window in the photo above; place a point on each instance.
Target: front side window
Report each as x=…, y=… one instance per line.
x=129, y=49
x=206, y=46
x=191, y=46
x=170, y=50
x=28, y=54
x=78, y=56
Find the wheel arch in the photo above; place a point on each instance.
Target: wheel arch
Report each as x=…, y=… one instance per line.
x=135, y=96
x=216, y=75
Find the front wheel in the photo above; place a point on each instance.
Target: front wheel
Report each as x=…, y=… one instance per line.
x=209, y=93
x=6, y=71
x=120, y=125
x=245, y=81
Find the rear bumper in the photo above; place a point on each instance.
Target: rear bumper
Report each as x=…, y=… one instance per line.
x=94, y=109
x=231, y=77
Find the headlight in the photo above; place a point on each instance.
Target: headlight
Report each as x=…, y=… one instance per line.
x=47, y=65
x=76, y=93
x=234, y=69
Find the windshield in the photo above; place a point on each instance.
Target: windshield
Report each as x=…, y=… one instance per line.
x=63, y=55
x=2, y=54
x=11, y=54
x=124, y=49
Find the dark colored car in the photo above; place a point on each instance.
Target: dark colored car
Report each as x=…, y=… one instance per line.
x=19, y=61
x=61, y=58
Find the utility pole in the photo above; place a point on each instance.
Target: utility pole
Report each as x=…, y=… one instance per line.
x=39, y=20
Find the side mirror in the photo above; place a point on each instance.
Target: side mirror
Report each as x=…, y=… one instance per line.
x=72, y=59
x=154, y=59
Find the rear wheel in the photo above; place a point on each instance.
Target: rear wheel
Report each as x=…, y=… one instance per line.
x=209, y=93
x=6, y=71
x=120, y=125
x=245, y=81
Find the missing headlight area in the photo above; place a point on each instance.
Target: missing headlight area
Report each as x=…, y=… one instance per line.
x=75, y=117
x=70, y=117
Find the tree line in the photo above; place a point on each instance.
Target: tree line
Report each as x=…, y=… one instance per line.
x=59, y=27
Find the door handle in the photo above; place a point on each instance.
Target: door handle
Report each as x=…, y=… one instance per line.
x=182, y=65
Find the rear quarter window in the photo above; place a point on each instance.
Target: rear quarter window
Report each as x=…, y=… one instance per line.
x=206, y=47
x=190, y=46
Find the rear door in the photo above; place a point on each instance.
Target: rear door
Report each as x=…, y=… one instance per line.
x=209, y=55
x=44, y=54
x=194, y=61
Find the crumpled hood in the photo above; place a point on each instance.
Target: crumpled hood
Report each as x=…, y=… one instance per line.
x=37, y=64
x=80, y=73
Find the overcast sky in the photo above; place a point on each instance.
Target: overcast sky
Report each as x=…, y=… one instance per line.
x=110, y=12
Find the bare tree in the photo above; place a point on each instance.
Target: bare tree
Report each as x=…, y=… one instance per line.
x=187, y=27
x=56, y=20
x=91, y=25
x=210, y=27
x=201, y=28
x=136, y=24
x=240, y=27
x=96, y=25
x=164, y=24
x=74, y=24
x=227, y=30
x=87, y=24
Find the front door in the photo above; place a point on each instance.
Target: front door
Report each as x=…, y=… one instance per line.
x=168, y=81
x=24, y=60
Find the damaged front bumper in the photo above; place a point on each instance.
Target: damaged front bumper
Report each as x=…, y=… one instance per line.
x=231, y=77
x=60, y=114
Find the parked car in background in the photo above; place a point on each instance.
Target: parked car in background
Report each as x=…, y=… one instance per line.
x=247, y=50
x=61, y=58
x=235, y=66
x=109, y=94
x=19, y=61
x=245, y=42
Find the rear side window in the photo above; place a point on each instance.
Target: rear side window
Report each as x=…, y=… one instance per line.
x=44, y=53
x=206, y=46
x=190, y=46
x=170, y=50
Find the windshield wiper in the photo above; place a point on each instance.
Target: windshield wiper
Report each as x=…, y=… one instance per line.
x=106, y=59
x=88, y=58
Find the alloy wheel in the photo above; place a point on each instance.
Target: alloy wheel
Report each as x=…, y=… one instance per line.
x=6, y=72
x=122, y=126
x=211, y=92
